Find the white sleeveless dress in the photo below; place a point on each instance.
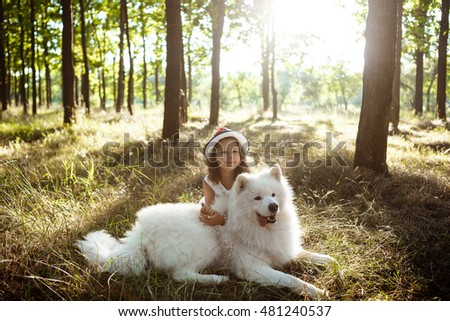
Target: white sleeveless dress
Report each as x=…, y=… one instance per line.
x=219, y=189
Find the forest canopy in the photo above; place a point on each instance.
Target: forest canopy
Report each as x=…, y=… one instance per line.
x=317, y=45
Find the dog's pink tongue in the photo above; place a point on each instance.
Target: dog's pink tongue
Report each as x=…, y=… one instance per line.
x=262, y=220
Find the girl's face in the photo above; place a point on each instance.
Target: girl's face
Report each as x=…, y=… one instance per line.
x=228, y=153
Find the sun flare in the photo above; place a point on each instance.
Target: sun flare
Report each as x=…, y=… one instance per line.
x=337, y=36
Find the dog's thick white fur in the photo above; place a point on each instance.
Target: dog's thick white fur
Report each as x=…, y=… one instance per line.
x=261, y=234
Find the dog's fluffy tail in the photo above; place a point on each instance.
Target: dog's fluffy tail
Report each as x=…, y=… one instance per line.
x=109, y=254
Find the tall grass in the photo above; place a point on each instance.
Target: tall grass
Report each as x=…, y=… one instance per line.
x=389, y=234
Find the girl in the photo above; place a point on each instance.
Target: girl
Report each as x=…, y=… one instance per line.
x=225, y=155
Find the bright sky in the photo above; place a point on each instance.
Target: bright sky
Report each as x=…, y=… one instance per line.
x=340, y=36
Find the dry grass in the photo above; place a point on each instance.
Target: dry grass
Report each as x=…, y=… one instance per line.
x=389, y=234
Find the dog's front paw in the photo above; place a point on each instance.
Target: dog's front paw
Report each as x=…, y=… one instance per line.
x=330, y=260
x=313, y=292
x=222, y=279
x=325, y=259
x=225, y=279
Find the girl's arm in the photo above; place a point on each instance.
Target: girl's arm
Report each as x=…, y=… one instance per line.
x=209, y=194
x=207, y=214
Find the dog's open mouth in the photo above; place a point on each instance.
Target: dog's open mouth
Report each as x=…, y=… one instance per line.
x=263, y=220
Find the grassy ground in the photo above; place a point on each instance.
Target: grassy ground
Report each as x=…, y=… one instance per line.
x=389, y=234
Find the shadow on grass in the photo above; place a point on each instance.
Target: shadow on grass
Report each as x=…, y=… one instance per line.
x=408, y=216
x=26, y=134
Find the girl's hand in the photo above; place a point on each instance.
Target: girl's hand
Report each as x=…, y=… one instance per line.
x=211, y=217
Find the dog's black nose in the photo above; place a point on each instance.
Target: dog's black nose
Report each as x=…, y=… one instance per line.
x=273, y=207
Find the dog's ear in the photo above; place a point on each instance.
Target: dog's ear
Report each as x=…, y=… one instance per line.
x=241, y=182
x=275, y=171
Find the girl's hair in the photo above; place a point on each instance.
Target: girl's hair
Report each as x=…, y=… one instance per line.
x=213, y=167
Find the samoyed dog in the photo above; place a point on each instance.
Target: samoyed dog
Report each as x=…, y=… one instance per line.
x=262, y=233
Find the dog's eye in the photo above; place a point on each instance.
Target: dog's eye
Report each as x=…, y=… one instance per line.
x=273, y=194
x=258, y=198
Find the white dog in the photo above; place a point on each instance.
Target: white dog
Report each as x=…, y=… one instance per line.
x=261, y=234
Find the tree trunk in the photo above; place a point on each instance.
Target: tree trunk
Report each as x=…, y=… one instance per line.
x=114, y=81
x=183, y=107
x=3, y=85
x=343, y=94
x=121, y=78
x=265, y=70
x=183, y=99
x=421, y=45
x=22, y=90
x=45, y=57
x=272, y=75
x=103, y=88
x=39, y=89
x=174, y=39
x=157, y=92
x=9, y=71
x=48, y=78
x=16, y=92
x=218, y=18
x=441, y=96
x=102, y=77
x=430, y=86
x=263, y=13
x=144, y=78
x=100, y=88
x=68, y=72
x=85, y=77
x=418, y=97
x=33, y=58
x=237, y=85
x=144, y=51
x=101, y=44
x=190, y=83
x=371, y=140
x=130, y=100
x=395, y=106
x=76, y=93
